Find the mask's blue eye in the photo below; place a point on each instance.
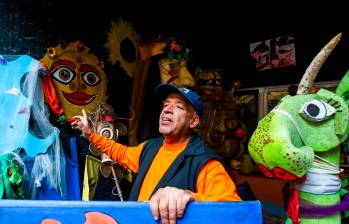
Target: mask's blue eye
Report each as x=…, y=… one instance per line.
x=317, y=110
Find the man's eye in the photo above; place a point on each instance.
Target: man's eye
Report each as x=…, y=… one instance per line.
x=317, y=110
x=180, y=107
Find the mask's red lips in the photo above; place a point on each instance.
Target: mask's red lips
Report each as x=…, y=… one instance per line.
x=79, y=98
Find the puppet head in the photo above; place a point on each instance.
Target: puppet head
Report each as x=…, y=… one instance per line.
x=286, y=139
x=173, y=65
x=78, y=77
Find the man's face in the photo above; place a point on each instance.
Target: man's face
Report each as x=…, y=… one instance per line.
x=176, y=116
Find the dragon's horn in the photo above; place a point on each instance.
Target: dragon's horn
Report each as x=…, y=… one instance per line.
x=315, y=66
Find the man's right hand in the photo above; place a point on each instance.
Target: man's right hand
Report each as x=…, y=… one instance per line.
x=81, y=123
x=169, y=203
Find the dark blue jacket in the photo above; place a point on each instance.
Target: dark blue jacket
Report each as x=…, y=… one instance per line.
x=184, y=170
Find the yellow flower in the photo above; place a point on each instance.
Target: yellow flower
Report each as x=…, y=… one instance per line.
x=51, y=52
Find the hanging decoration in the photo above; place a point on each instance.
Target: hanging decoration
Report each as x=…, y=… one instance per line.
x=209, y=83
x=175, y=48
x=105, y=122
x=173, y=64
x=220, y=126
x=122, y=45
x=27, y=132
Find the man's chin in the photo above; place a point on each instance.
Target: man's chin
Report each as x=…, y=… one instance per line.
x=164, y=130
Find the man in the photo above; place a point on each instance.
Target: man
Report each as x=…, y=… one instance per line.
x=176, y=168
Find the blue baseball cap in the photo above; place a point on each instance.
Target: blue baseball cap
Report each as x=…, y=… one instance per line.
x=163, y=90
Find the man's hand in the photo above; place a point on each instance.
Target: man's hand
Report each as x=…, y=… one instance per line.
x=81, y=123
x=169, y=203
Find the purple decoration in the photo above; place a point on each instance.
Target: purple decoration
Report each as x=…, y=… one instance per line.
x=311, y=210
x=42, y=72
x=3, y=60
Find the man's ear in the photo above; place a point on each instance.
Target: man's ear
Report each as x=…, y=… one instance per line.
x=194, y=121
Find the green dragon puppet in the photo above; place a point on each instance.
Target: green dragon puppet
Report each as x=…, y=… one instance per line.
x=299, y=141
x=11, y=177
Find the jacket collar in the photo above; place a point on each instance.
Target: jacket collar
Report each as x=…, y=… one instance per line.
x=194, y=147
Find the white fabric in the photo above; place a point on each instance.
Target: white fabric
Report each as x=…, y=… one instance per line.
x=320, y=183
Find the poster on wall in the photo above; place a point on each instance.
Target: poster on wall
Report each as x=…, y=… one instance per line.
x=274, y=53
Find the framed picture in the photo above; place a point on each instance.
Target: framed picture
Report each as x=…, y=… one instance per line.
x=273, y=53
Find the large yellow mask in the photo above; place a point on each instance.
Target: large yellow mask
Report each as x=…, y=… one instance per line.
x=77, y=76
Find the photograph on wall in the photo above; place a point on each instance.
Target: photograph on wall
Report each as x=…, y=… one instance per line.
x=274, y=53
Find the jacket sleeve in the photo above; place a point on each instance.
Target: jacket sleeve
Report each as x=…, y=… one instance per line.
x=127, y=157
x=215, y=184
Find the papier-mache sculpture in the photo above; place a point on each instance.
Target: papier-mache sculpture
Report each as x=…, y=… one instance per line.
x=299, y=141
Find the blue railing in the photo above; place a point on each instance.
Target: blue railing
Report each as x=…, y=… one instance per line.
x=111, y=212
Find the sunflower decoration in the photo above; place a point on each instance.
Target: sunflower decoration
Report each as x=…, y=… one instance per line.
x=75, y=79
x=122, y=45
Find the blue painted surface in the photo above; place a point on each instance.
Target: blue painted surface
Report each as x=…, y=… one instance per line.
x=66, y=212
x=72, y=172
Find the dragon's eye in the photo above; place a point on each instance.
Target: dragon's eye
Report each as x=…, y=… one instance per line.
x=317, y=110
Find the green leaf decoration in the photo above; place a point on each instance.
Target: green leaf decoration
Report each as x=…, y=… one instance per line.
x=345, y=182
x=346, y=214
x=175, y=48
x=288, y=221
x=61, y=120
x=343, y=192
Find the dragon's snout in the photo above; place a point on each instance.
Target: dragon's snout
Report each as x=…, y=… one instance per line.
x=277, y=172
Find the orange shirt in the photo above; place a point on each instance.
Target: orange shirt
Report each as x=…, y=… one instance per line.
x=213, y=183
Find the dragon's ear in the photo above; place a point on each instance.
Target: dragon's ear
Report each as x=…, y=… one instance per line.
x=343, y=88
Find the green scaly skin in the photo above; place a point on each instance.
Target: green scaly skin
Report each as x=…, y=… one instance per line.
x=277, y=143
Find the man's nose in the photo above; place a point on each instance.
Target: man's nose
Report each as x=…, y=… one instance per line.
x=169, y=108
